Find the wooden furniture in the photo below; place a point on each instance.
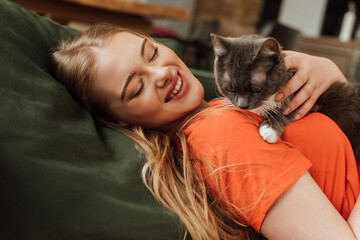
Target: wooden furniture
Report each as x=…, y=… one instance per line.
x=124, y=13
x=346, y=55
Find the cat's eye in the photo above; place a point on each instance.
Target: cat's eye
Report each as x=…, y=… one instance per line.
x=229, y=89
x=256, y=89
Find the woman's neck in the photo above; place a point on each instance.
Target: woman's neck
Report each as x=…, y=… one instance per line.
x=179, y=123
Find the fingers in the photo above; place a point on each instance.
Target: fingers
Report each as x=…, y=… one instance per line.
x=289, y=53
x=291, y=60
x=313, y=76
x=305, y=108
x=304, y=98
x=295, y=83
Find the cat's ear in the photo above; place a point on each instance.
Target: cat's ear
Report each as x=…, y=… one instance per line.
x=219, y=44
x=268, y=47
x=268, y=53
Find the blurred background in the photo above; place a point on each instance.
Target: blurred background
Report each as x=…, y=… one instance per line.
x=329, y=28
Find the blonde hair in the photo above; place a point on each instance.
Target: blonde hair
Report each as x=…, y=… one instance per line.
x=168, y=172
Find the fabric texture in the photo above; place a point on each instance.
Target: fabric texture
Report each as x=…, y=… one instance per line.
x=62, y=174
x=334, y=166
x=249, y=174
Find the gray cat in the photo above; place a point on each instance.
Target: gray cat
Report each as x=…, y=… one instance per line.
x=250, y=69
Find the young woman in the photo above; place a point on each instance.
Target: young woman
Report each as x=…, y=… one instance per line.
x=206, y=161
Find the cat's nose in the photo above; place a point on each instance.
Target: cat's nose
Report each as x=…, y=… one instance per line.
x=242, y=103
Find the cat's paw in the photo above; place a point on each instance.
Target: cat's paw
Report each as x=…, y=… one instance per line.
x=268, y=133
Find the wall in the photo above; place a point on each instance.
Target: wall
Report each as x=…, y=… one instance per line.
x=236, y=17
x=304, y=15
x=182, y=28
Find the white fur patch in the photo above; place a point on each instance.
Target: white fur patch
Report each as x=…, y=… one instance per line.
x=219, y=49
x=257, y=110
x=268, y=133
x=241, y=101
x=270, y=103
x=258, y=77
x=228, y=102
x=271, y=98
x=227, y=77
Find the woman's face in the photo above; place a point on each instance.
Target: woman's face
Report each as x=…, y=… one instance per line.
x=144, y=82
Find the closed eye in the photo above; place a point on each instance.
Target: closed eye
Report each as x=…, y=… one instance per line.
x=139, y=91
x=155, y=54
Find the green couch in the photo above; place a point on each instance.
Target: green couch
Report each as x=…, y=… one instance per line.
x=62, y=174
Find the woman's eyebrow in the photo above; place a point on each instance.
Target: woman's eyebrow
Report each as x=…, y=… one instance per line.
x=132, y=74
x=143, y=47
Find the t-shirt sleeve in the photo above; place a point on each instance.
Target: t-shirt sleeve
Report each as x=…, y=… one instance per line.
x=243, y=171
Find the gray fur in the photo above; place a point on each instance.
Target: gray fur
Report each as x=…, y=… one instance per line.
x=250, y=69
x=341, y=102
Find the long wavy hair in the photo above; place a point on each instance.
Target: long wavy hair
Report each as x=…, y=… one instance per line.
x=168, y=173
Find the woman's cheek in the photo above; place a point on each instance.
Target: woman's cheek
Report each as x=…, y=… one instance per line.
x=169, y=55
x=150, y=102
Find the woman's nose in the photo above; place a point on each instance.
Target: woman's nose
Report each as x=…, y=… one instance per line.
x=160, y=75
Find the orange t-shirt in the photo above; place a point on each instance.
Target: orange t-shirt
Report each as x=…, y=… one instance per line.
x=249, y=174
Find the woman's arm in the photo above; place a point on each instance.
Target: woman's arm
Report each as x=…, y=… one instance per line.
x=303, y=212
x=313, y=77
x=354, y=219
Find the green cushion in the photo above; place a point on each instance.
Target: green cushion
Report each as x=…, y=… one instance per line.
x=63, y=175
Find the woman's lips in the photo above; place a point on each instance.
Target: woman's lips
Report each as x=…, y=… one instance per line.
x=172, y=86
x=176, y=87
x=183, y=89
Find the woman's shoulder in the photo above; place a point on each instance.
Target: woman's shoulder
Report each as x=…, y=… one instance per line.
x=221, y=114
x=221, y=119
x=315, y=126
x=221, y=124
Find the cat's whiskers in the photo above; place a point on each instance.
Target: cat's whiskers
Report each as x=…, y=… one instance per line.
x=270, y=108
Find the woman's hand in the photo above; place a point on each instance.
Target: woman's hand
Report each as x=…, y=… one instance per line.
x=313, y=77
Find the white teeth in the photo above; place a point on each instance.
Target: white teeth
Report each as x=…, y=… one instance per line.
x=176, y=88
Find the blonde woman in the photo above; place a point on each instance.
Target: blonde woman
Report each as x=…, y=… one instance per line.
x=206, y=161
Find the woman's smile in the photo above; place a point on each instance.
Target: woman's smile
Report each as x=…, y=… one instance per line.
x=175, y=85
x=178, y=88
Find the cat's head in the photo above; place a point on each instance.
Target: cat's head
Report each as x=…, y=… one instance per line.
x=248, y=69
